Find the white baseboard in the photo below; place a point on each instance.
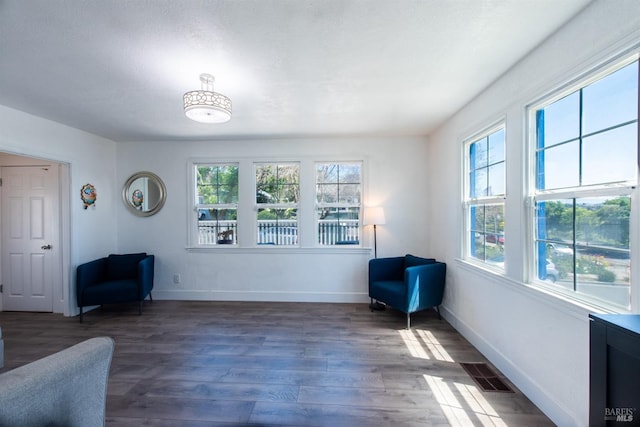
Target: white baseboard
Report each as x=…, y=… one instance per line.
x=261, y=296
x=527, y=385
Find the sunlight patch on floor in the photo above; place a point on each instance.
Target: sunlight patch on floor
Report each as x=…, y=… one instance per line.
x=413, y=344
x=423, y=343
x=479, y=405
x=461, y=402
x=434, y=346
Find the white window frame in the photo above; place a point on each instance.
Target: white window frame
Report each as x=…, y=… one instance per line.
x=468, y=202
x=286, y=240
x=319, y=205
x=246, y=239
x=196, y=206
x=614, y=189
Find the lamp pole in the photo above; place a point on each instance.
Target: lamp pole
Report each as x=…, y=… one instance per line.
x=374, y=216
x=375, y=242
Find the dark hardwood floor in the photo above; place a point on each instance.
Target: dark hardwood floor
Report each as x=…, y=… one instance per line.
x=276, y=364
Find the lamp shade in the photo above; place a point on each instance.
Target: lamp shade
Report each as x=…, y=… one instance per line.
x=373, y=216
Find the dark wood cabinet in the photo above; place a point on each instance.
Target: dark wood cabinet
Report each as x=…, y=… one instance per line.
x=614, y=369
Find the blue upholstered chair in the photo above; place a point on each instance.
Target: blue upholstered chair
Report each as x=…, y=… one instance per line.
x=115, y=279
x=407, y=283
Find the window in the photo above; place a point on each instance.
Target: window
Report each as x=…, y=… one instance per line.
x=338, y=198
x=484, y=197
x=277, y=197
x=292, y=198
x=585, y=163
x=216, y=203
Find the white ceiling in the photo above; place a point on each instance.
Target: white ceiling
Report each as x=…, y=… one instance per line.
x=119, y=68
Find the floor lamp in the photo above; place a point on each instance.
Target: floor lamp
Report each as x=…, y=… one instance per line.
x=374, y=216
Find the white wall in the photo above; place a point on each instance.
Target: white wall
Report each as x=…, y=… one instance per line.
x=539, y=341
x=395, y=176
x=90, y=233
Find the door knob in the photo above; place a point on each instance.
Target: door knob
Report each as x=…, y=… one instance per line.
x=45, y=247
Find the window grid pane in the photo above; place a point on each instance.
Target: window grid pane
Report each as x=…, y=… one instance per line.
x=277, y=227
x=338, y=196
x=217, y=184
x=601, y=147
x=339, y=226
x=585, y=141
x=487, y=233
x=561, y=121
x=487, y=165
x=583, y=246
x=217, y=197
x=486, y=178
x=277, y=196
x=601, y=156
x=611, y=100
x=217, y=226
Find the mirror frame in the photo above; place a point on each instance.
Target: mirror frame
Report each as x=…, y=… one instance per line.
x=153, y=178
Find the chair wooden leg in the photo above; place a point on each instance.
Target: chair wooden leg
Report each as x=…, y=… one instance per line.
x=80, y=314
x=140, y=309
x=150, y=297
x=408, y=321
x=438, y=311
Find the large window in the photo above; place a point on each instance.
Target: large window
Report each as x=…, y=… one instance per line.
x=585, y=162
x=277, y=197
x=338, y=201
x=216, y=203
x=485, y=196
x=266, y=203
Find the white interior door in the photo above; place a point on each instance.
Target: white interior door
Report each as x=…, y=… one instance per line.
x=29, y=214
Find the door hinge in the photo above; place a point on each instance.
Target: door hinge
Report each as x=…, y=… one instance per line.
x=1, y=288
x=0, y=182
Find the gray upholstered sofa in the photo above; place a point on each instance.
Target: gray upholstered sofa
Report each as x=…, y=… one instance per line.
x=68, y=388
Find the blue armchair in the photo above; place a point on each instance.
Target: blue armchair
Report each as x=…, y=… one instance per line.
x=407, y=283
x=115, y=279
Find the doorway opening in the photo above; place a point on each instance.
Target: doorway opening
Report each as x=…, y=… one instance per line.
x=34, y=234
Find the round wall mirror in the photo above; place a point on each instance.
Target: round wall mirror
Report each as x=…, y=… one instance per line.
x=144, y=193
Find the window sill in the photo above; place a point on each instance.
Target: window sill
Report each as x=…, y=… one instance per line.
x=235, y=249
x=576, y=307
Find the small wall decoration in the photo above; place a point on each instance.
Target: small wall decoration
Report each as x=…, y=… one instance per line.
x=136, y=199
x=88, y=195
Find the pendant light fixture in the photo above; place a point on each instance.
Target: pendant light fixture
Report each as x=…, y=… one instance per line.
x=205, y=105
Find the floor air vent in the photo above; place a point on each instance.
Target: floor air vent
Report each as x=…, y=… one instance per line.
x=486, y=379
